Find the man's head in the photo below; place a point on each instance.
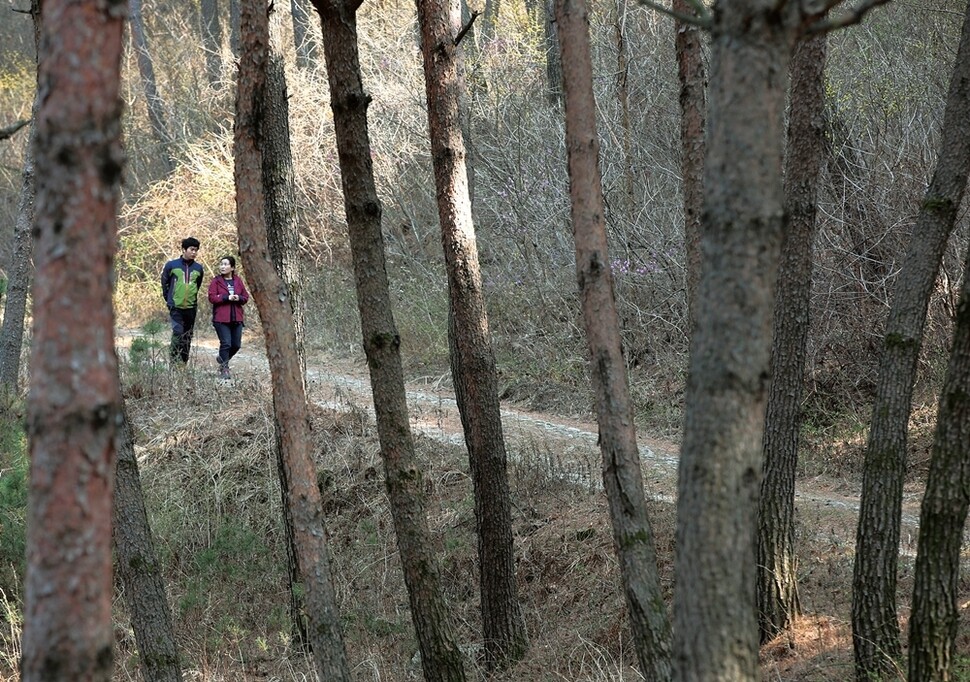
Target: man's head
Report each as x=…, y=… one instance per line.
x=190, y=247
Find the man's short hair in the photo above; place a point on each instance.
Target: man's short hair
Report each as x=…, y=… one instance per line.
x=189, y=242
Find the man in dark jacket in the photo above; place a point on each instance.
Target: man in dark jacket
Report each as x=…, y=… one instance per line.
x=181, y=280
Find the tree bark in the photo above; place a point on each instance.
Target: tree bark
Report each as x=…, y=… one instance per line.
x=935, y=617
x=777, y=562
x=138, y=568
x=284, y=244
x=715, y=622
x=21, y=269
x=622, y=478
x=440, y=656
x=875, y=624
x=693, y=85
x=156, y=107
x=74, y=406
x=472, y=359
x=289, y=395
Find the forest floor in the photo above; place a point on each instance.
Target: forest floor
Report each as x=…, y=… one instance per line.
x=567, y=571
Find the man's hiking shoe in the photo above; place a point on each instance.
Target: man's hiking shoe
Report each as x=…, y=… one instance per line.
x=224, y=372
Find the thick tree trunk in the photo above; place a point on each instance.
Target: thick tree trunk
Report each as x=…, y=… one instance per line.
x=622, y=478
x=212, y=40
x=139, y=570
x=777, y=577
x=715, y=618
x=693, y=87
x=156, y=107
x=875, y=624
x=289, y=395
x=74, y=406
x=440, y=656
x=472, y=359
x=283, y=242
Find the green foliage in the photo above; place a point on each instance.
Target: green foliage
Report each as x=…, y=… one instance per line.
x=14, y=483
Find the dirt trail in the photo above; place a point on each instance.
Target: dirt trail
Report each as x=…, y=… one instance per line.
x=562, y=446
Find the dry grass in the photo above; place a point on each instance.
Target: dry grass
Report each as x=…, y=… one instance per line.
x=212, y=491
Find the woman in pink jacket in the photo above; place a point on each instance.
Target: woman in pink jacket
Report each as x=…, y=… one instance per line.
x=228, y=295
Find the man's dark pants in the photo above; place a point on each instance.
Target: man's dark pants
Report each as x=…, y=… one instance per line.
x=183, y=324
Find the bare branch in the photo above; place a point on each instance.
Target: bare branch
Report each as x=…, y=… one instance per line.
x=9, y=131
x=702, y=19
x=848, y=18
x=466, y=27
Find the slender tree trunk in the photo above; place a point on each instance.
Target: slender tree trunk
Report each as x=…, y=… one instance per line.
x=289, y=395
x=156, y=107
x=306, y=42
x=74, y=406
x=551, y=47
x=20, y=271
x=715, y=622
x=139, y=570
x=440, y=656
x=472, y=359
x=777, y=563
x=935, y=618
x=693, y=86
x=622, y=478
x=18, y=283
x=212, y=40
x=284, y=247
x=875, y=624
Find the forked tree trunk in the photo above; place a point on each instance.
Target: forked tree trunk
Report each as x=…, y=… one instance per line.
x=715, y=618
x=622, y=478
x=440, y=657
x=74, y=406
x=875, y=622
x=777, y=562
x=289, y=396
x=284, y=244
x=472, y=359
x=138, y=568
x=693, y=110
x=21, y=270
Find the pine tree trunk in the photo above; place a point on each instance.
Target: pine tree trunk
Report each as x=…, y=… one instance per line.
x=693, y=86
x=440, y=656
x=20, y=271
x=715, y=605
x=289, y=395
x=777, y=563
x=74, y=406
x=875, y=622
x=622, y=477
x=472, y=359
x=284, y=247
x=138, y=568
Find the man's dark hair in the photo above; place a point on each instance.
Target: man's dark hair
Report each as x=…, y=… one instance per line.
x=189, y=242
